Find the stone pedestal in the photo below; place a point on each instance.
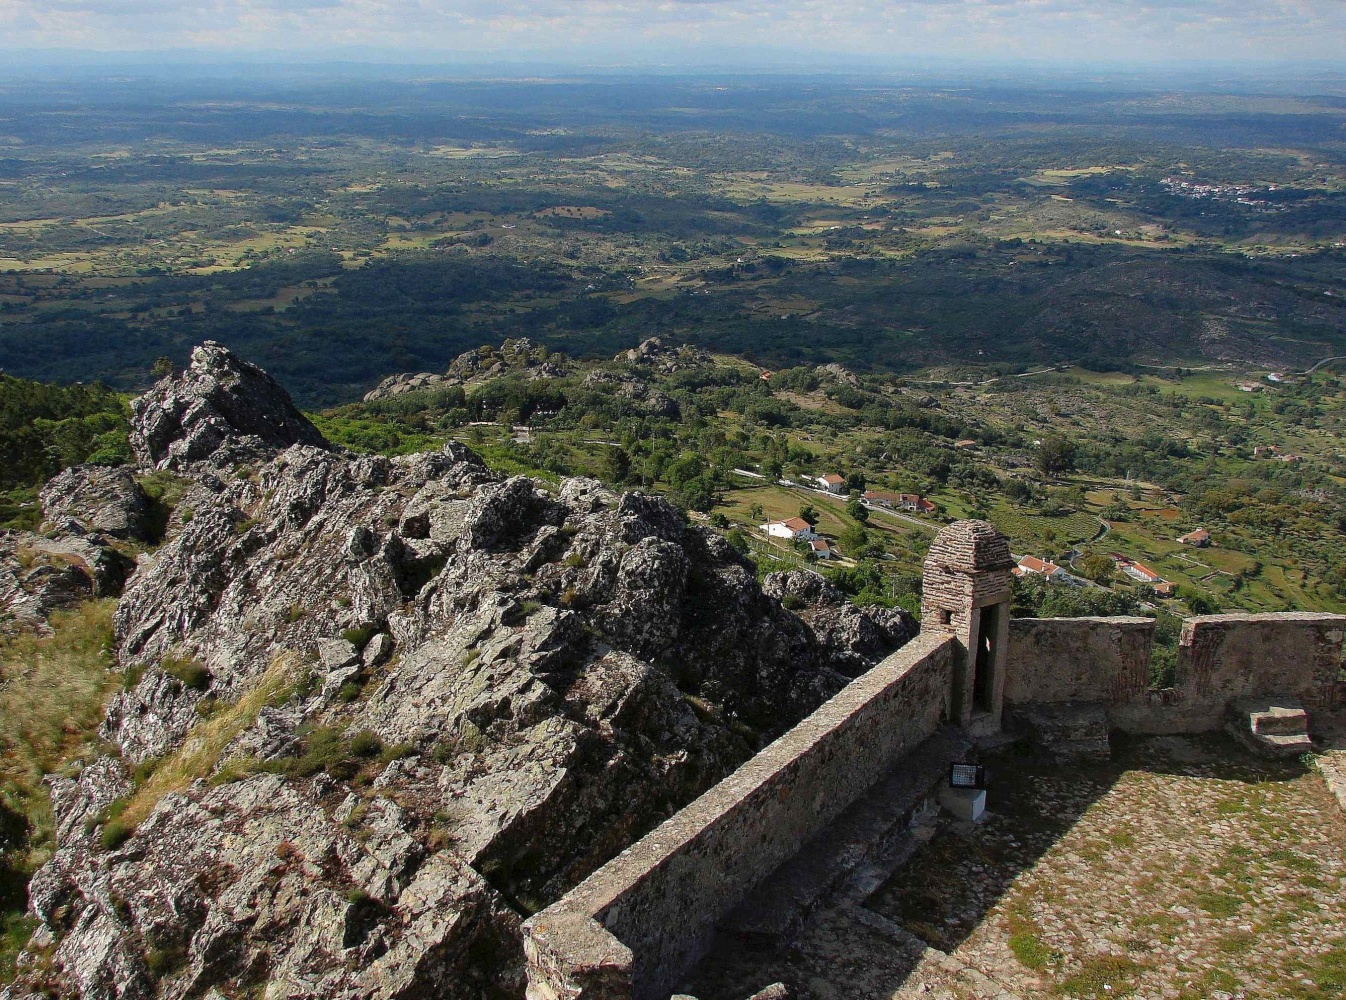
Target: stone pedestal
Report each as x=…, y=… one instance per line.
x=968, y=804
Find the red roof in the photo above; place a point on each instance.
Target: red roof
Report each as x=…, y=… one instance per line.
x=1200, y=535
x=832, y=479
x=1035, y=565
x=797, y=524
x=819, y=545
x=1146, y=572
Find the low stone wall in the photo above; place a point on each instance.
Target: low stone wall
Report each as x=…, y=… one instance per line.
x=1224, y=658
x=635, y=926
x=1221, y=659
x=1078, y=659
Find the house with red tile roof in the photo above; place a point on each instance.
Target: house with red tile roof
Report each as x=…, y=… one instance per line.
x=1032, y=565
x=791, y=529
x=903, y=501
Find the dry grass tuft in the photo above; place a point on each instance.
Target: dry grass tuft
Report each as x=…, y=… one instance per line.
x=205, y=743
x=52, y=693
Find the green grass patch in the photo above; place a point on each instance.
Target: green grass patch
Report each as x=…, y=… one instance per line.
x=1102, y=976
x=1219, y=904
x=52, y=692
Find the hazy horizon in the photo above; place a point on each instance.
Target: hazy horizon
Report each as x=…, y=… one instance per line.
x=1235, y=38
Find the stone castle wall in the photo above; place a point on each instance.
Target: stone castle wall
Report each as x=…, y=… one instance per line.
x=633, y=928
x=637, y=924
x=1078, y=659
x=1221, y=659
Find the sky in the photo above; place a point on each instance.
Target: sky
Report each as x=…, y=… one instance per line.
x=1171, y=34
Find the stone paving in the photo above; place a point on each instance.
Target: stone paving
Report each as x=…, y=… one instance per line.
x=1181, y=869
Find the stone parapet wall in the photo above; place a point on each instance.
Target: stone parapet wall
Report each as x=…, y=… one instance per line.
x=1078, y=659
x=1221, y=659
x=637, y=924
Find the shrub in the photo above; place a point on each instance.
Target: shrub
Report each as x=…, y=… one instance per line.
x=163, y=962
x=191, y=673
x=115, y=833
x=366, y=744
x=359, y=637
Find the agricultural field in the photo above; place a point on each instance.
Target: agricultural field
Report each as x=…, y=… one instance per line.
x=1123, y=294
x=891, y=229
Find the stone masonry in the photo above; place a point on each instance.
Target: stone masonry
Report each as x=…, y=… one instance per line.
x=632, y=928
x=966, y=594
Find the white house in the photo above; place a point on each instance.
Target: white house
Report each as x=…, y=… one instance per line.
x=792, y=529
x=1040, y=567
x=832, y=483
x=820, y=548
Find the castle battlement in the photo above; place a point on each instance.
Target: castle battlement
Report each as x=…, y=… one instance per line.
x=633, y=928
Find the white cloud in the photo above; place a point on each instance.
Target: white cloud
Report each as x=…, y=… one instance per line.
x=1078, y=31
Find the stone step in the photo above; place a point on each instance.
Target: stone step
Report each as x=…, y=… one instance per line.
x=864, y=844
x=1069, y=730
x=1280, y=722
x=1272, y=727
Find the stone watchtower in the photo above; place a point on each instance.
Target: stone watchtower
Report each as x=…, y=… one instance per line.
x=966, y=593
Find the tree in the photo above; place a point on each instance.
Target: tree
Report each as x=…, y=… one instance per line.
x=809, y=514
x=856, y=481
x=756, y=513
x=853, y=541
x=1055, y=455
x=856, y=508
x=614, y=464
x=162, y=367
x=1098, y=568
x=1197, y=602
x=772, y=468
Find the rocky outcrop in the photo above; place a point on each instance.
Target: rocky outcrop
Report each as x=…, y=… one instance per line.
x=517, y=356
x=92, y=517
x=858, y=637
x=40, y=575
x=665, y=358
x=98, y=499
x=219, y=402
x=389, y=706
x=399, y=385
x=838, y=373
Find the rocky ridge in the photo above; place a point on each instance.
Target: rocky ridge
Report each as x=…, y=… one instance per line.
x=513, y=356
x=379, y=709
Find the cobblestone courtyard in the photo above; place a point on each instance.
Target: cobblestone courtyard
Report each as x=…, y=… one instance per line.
x=1183, y=868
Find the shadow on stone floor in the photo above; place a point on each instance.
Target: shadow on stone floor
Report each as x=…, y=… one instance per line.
x=961, y=871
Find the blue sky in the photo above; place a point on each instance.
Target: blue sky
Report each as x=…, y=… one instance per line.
x=1078, y=33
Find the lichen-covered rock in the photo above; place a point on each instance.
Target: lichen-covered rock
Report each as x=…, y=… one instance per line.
x=100, y=499
x=220, y=401
x=860, y=637
x=40, y=575
x=431, y=701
